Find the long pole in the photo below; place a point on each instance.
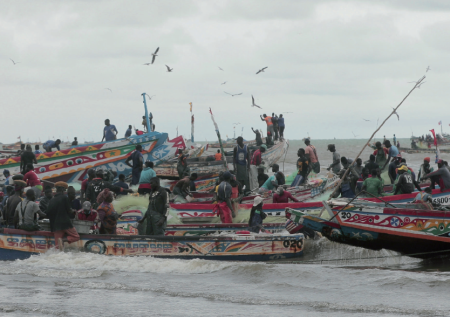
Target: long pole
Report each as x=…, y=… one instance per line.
x=370, y=139
x=220, y=139
x=147, y=120
x=192, y=125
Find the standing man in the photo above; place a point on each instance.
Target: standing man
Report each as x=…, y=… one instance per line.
x=182, y=166
x=395, y=140
x=50, y=144
x=33, y=180
x=26, y=158
x=241, y=162
x=269, y=123
x=11, y=205
x=258, y=139
x=109, y=131
x=60, y=213
x=138, y=164
x=254, y=164
x=157, y=210
x=392, y=152
x=335, y=167
x=380, y=154
x=392, y=169
x=8, y=181
x=311, y=155
x=281, y=126
x=85, y=184
x=75, y=141
x=129, y=131
x=275, y=126
x=224, y=208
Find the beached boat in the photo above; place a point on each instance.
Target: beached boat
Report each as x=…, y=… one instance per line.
x=18, y=244
x=71, y=165
x=413, y=232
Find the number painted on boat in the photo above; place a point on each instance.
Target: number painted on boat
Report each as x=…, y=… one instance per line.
x=442, y=200
x=346, y=215
x=292, y=244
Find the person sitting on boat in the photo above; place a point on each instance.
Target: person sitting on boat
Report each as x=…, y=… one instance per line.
x=109, y=131
x=139, y=132
x=121, y=183
x=258, y=138
x=75, y=141
x=282, y=196
x=36, y=150
x=218, y=156
x=181, y=191
x=424, y=169
x=128, y=132
x=33, y=180
x=262, y=177
x=50, y=144
x=98, y=184
x=273, y=181
x=425, y=198
x=144, y=181
x=158, y=209
x=405, y=184
x=253, y=171
x=192, y=178
x=48, y=195
x=224, y=208
x=106, y=213
x=257, y=215
x=182, y=165
x=345, y=190
x=335, y=167
x=60, y=214
x=413, y=175
x=27, y=210
x=443, y=173
x=138, y=164
x=373, y=185
x=86, y=213
x=303, y=168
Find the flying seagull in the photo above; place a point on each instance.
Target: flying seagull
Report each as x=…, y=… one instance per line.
x=395, y=112
x=169, y=69
x=154, y=55
x=355, y=135
x=14, y=62
x=428, y=68
x=236, y=123
x=220, y=68
x=232, y=95
x=109, y=89
x=365, y=119
x=253, y=103
x=261, y=70
x=223, y=83
x=150, y=97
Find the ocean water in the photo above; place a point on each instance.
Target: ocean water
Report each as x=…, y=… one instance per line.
x=330, y=280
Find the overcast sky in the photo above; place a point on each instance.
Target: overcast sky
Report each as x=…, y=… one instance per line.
x=330, y=63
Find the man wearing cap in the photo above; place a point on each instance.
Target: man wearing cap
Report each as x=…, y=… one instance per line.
x=254, y=164
x=424, y=169
x=27, y=210
x=50, y=144
x=224, y=208
x=60, y=213
x=405, y=183
x=87, y=213
x=109, y=131
x=335, y=167
x=257, y=215
x=443, y=173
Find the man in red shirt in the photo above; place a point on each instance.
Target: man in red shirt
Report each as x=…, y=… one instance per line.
x=33, y=180
x=282, y=196
x=254, y=163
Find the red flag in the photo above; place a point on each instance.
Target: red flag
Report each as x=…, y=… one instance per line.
x=434, y=135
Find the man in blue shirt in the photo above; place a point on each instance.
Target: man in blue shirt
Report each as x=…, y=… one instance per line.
x=393, y=152
x=108, y=131
x=50, y=144
x=36, y=150
x=128, y=132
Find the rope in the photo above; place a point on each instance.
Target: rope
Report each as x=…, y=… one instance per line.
x=354, y=259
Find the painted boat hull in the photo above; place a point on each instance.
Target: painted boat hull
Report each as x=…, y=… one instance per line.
x=71, y=165
x=18, y=244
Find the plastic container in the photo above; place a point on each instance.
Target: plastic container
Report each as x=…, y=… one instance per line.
x=82, y=226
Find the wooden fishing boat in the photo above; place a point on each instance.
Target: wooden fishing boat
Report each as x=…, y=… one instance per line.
x=71, y=165
x=413, y=232
x=18, y=244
